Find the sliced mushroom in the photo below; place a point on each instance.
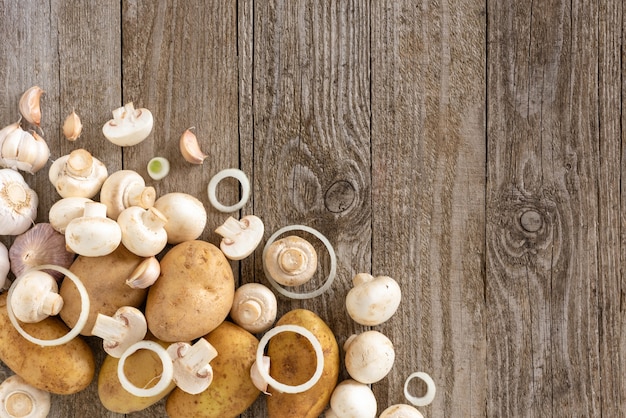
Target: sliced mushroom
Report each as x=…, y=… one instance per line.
x=129, y=126
x=126, y=327
x=192, y=371
x=240, y=237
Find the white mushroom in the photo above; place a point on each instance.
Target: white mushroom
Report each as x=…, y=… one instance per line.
x=93, y=234
x=352, y=399
x=290, y=261
x=66, y=209
x=19, y=399
x=35, y=297
x=129, y=126
x=146, y=273
x=254, y=307
x=186, y=216
x=123, y=189
x=369, y=356
x=77, y=174
x=240, y=237
x=372, y=300
x=126, y=327
x=143, y=231
x=192, y=371
x=401, y=411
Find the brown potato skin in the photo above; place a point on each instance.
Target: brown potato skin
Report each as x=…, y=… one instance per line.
x=140, y=368
x=63, y=369
x=231, y=392
x=193, y=294
x=104, y=278
x=292, y=361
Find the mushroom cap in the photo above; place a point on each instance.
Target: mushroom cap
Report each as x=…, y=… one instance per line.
x=369, y=356
x=352, y=399
x=186, y=216
x=19, y=399
x=373, y=300
x=291, y=261
x=401, y=411
x=240, y=237
x=129, y=126
x=93, y=234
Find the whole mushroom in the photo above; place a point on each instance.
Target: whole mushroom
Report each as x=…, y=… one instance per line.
x=369, y=356
x=373, y=300
x=352, y=399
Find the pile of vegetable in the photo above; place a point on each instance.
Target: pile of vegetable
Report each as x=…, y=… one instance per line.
x=171, y=319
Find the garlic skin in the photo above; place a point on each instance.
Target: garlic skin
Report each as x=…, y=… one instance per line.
x=190, y=149
x=41, y=244
x=143, y=231
x=18, y=203
x=78, y=174
x=72, y=127
x=123, y=189
x=30, y=105
x=64, y=210
x=5, y=265
x=21, y=150
x=93, y=234
x=35, y=297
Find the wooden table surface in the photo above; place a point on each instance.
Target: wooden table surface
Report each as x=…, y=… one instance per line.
x=471, y=150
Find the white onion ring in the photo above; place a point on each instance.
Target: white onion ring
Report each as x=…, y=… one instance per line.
x=331, y=253
x=430, y=391
x=82, y=318
x=281, y=387
x=245, y=189
x=166, y=375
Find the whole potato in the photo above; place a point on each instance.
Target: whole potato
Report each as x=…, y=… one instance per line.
x=193, y=294
x=141, y=368
x=63, y=369
x=292, y=362
x=104, y=278
x=231, y=392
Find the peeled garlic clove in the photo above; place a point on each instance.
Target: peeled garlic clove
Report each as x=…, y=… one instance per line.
x=146, y=273
x=190, y=149
x=29, y=105
x=72, y=127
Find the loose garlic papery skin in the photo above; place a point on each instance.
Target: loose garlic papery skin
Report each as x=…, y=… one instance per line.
x=352, y=399
x=192, y=372
x=78, y=174
x=373, y=300
x=18, y=203
x=36, y=297
x=254, y=307
x=369, y=356
x=93, y=234
x=5, y=265
x=64, y=210
x=21, y=150
x=186, y=216
x=401, y=411
x=30, y=105
x=190, y=149
x=72, y=127
x=19, y=399
x=129, y=126
x=126, y=327
x=41, y=244
x=291, y=261
x=146, y=273
x=240, y=237
x=143, y=231
x=123, y=189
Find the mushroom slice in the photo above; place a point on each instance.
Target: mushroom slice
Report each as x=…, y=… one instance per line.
x=126, y=327
x=129, y=126
x=240, y=237
x=192, y=372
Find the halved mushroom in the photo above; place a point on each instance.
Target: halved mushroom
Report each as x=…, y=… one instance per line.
x=192, y=371
x=126, y=327
x=129, y=126
x=240, y=237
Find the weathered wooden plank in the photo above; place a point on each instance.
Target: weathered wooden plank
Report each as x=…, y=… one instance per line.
x=311, y=137
x=428, y=158
x=550, y=290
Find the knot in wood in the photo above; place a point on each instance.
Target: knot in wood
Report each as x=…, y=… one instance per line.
x=531, y=220
x=339, y=196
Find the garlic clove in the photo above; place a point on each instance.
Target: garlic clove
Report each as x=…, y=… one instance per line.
x=29, y=105
x=41, y=244
x=146, y=273
x=11, y=145
x=72, y=127
x=190, y=149
x=32, y=154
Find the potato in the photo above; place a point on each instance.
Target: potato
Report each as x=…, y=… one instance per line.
x=292, y=361
x=232, y=390
x=141, y=368
x=63, y=369
x=104, y=278
x=193, y=294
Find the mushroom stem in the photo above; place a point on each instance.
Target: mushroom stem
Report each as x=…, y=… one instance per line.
x=250, y=311
x=51, y=304
x=361, y=278
x=197, y=357
x=231, y=228
x=126, y=327
x=129, y=108
x=139, y=195
x=153, y=219
x=109, y=328
x=95, y=210
x=80, y=163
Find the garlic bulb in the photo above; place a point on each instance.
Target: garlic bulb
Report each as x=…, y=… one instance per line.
x=18, y=203
x=21, y=150
x=40, y=245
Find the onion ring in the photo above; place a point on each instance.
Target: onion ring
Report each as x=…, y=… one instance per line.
x=82, y=318
x=430, y=391
x=245, y=189
x=166, y=375
x=331, y=252
x=281, y=387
